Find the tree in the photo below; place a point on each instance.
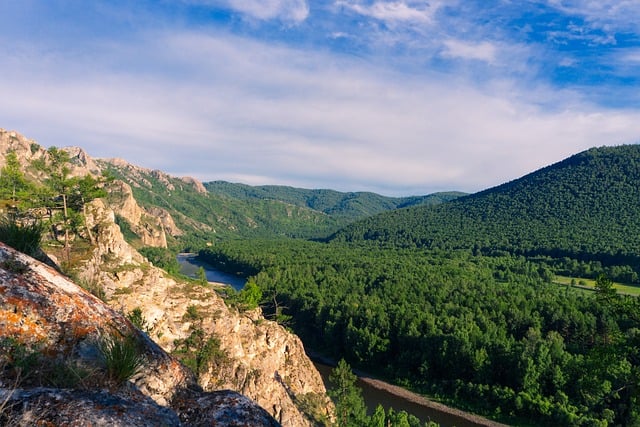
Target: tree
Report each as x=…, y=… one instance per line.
x=604, y=289
x=67, y=192
x=378, y=417
x=12, y=180
x=347, y=397
x=202, y=276
x=250, y=296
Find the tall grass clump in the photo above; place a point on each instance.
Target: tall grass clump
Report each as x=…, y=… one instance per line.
x=24, y=236
x=122, y=357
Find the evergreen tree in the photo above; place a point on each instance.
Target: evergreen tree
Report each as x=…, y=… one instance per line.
x=347, y=397
x=13, y=184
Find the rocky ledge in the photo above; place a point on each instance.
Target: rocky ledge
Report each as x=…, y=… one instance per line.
x=52, y=371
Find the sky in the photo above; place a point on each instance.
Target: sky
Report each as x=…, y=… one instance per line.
x=398, y=97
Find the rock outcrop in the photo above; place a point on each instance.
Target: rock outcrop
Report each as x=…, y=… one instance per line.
x=147, y=226
x=261, y=359
x=256, y=357
x=56, y=325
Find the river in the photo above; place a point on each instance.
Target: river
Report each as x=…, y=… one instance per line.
x=189, y=266
x=377, y=392
x=374, y=392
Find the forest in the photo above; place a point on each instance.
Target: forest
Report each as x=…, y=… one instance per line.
x=490, y=333
x=460, y=301
x=581, y=211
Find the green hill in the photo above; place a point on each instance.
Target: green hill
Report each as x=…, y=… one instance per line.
x=227, y=210
x=584, y=207
x=344, y=206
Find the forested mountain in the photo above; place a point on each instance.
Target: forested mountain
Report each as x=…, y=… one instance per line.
x=220, y=209
x=585, y=208
x=346, y=206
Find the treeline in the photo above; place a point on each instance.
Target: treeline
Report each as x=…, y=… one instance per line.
x=489, y=332
x=584, y=208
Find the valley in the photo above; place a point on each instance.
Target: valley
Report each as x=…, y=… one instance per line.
x=472, y=299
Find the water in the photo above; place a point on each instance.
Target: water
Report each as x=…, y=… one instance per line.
x=190, y=265
x=374, y=396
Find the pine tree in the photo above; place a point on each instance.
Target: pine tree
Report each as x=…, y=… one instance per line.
x=347, y=397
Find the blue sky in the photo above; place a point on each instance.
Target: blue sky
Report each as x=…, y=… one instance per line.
x=398, y=97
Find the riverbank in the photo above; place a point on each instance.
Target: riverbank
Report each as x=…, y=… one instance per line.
x=189, y=265
x=446, y=415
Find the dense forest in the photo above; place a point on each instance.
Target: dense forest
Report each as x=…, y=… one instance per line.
x=489, y=332
x=227, y=210
x=459, y=300
x=584, y=208
x=346, y=206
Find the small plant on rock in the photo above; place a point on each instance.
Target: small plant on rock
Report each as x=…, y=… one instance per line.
x=122, y=357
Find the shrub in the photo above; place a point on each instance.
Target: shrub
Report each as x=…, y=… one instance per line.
x=136, y=317
x=24, y=236
x=122, y=357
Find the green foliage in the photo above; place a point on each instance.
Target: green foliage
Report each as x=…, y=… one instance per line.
x=345, y=206
x=250, y=296
x=198, y=351
x=136, y=317
x=192, y=314
x=201, y=276
x=13, y=184
x=17, y=361
x=122, y=357
x=160, y=257
x=94, y=287
x=347, y=397
x=581, y=210
x=21, y=234
x=489, y=332
x=125, y=228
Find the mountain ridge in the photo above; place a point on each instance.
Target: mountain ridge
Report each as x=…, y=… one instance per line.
x=581, y=207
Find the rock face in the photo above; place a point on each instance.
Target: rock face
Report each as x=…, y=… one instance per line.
x=56, y=325
x=256, y=357
x=260, y=358
x=147, y=226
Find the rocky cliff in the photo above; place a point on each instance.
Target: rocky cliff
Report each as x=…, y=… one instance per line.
x=55, y=369
x=253, y=356
x=257, y=357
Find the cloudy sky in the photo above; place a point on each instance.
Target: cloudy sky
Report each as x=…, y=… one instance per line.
x=398, y=97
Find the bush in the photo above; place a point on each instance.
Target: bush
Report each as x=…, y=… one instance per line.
x=122, y=357
x=24, y=236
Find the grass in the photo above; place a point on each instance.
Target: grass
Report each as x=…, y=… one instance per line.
x=589, y=284
x=24, y=236
x=122, y=357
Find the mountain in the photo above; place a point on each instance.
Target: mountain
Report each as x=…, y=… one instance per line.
x=53, y=372
x=344, y=206
x=226, y=347
x=584, y=207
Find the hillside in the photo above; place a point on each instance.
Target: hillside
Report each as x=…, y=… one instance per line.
x=62, y=197
x=584, y=207
x=218, y=210
x=347, y=206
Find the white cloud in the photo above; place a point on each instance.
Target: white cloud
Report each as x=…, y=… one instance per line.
x=221, y=107
x=286, y=10
x=610, y=16
x=483, y=51
x=395, y=11
x=290, y=10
